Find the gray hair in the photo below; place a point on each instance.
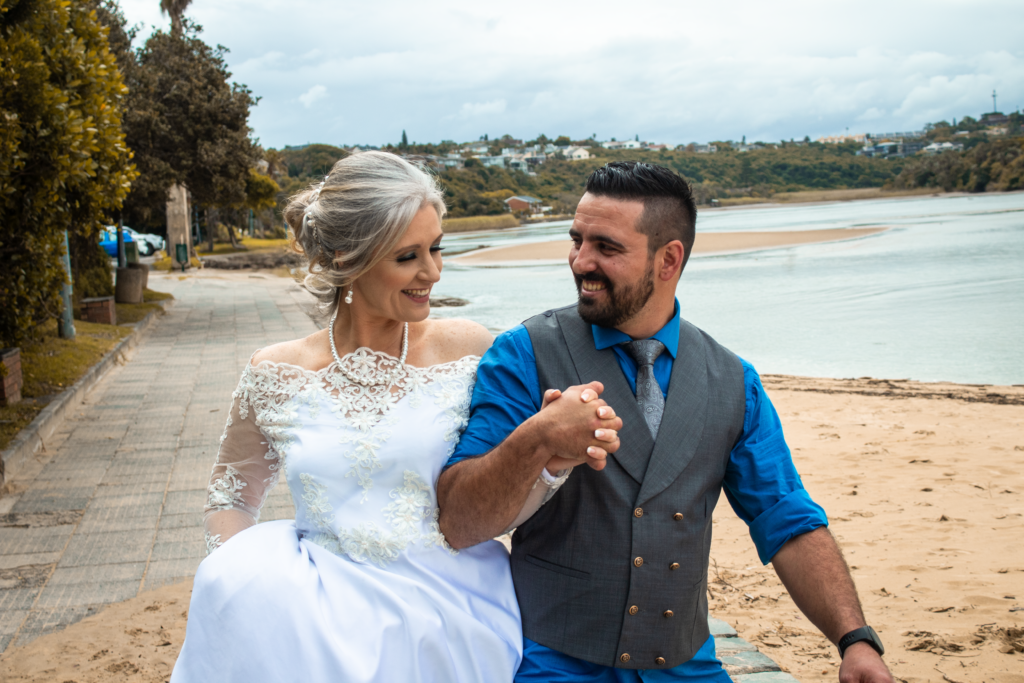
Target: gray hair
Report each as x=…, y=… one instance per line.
x=355, y=217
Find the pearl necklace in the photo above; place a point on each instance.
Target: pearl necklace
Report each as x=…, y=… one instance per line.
x=360, y=380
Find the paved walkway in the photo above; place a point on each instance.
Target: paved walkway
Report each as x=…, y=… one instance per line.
x=114, y=506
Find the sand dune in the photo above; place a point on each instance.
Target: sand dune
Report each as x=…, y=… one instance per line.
x=924, y=486
x=706, y=243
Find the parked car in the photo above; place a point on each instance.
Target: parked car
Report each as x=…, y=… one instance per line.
x=147, y=243
x=108, y=239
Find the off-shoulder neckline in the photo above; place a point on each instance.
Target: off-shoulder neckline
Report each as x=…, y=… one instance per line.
x=334, y=363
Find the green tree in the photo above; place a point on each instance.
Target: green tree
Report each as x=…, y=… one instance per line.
x=176, y=10
x=64, y=164
x=404, y=144
x=187, y=124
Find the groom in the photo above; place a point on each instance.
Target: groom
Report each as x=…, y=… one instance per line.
x=611, y=574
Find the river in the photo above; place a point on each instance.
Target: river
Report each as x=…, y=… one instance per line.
x=937, y=297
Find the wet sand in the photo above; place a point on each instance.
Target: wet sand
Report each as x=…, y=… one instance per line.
x=924, y=487
x=706, y=243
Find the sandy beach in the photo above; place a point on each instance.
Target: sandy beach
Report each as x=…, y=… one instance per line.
x=706, y=243
x=924, y=487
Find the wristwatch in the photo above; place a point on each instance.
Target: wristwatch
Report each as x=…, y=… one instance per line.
x=865, y=634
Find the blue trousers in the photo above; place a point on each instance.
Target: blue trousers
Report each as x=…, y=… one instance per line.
x=544, y=665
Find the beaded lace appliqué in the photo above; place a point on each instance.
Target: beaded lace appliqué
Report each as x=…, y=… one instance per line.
x=411, y=504
x=226, y=493
x=274, y=394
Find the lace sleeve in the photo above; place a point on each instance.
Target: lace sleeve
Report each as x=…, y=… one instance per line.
x=245, y=472
x=543, y=490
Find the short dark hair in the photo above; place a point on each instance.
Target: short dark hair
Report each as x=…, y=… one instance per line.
x=669, y=210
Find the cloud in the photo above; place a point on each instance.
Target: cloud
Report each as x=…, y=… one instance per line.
x=313, y=95
x=672, y=73
x=472, y=110
x=871, y=114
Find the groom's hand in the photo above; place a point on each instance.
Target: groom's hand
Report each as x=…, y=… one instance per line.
x=580, y=427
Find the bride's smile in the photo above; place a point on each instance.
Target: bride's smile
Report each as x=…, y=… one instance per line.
x=398, y=287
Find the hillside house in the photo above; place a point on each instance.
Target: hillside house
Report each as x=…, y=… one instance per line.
x=524, y=204
x=994, y=118
x=498, y=161
x=622, y=144
x=940, y=147
x=576, y=153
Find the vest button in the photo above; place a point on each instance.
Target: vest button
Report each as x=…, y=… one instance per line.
x=634, y=609
x=660, y=661
x=668, y=613
x=639, y=562
x=674, y=566
x=639, y=512
x=678, y=516
x=624, y=657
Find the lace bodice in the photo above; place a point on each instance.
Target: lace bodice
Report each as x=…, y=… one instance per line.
x=360, y=460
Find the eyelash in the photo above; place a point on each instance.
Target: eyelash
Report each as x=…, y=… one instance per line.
x=410, y=257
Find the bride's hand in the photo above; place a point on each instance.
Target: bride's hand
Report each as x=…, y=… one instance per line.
x=603, y=440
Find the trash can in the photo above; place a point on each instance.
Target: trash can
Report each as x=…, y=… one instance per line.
x=144, y=267
x=181, y=255
x=129, y=285
x=131, y=252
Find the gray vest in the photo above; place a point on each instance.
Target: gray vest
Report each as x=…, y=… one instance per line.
x=613, y=570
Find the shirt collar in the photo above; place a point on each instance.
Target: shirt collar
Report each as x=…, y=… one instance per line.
x=605, y=337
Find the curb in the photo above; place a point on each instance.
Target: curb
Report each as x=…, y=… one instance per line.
x=33, y=437
x=742, y=660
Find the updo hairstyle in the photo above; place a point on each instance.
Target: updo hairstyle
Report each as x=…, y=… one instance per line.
x=361, y=212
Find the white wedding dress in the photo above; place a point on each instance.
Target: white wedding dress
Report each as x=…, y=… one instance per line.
x=362, y=585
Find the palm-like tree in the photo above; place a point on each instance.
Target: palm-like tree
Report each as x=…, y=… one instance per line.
x=174, y=8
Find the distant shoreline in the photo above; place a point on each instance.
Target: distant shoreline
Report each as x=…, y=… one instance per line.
x=707, y=244
x=803, y=198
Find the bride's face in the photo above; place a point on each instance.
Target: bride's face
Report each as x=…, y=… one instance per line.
x=398, y=287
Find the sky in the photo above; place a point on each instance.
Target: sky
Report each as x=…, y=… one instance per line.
x=666, y=71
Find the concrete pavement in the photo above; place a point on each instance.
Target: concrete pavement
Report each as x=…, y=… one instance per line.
x=113, y=506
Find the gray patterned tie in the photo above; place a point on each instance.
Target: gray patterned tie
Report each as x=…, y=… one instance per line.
x=648, y=394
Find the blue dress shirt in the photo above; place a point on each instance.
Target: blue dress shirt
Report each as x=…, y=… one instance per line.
x=761, y=482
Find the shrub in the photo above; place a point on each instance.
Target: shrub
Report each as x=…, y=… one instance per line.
x=63, y=161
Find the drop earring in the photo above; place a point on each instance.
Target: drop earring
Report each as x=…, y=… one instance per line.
x=348, y=297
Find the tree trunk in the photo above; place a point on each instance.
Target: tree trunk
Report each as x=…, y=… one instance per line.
x=231, y=233
x=211, y=230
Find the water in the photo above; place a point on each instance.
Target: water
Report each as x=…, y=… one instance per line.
x=940, y=296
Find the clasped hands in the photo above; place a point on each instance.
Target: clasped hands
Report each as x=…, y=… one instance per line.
x=579, y=427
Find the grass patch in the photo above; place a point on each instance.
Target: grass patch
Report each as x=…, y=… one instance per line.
x=164, y=263
x=149, y=295
x=51, y=364
x=472, y=223
x=740, y=201
x=249, y=244
x=129, y=314
x=845, y=195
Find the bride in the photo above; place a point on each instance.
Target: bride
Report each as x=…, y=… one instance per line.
x=359, y=419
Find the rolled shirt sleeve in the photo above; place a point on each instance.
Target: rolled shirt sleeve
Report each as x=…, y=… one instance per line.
x=507, y=393
x=762, y=483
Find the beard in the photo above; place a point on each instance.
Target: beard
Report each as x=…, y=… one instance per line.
x=624, y=301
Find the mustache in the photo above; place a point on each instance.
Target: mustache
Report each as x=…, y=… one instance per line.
x=592, y=277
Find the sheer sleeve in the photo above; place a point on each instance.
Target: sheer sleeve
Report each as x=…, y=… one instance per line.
x=245, y=472
x=543, y=490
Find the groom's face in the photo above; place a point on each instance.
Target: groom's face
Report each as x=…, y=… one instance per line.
x=614, y=272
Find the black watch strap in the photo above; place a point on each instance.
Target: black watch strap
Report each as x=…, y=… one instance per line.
x=863, y=634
